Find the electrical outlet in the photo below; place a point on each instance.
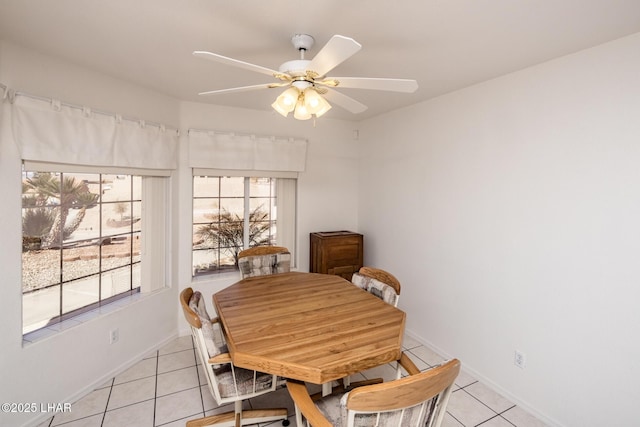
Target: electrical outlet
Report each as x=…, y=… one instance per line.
x=114, y=335
x=519, y=359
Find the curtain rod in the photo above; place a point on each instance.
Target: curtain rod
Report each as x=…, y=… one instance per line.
x=11, y=94
x=249, y=134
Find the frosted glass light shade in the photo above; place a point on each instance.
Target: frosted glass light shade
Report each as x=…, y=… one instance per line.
x=286, y=102
x=315, y=103
x=301, y=112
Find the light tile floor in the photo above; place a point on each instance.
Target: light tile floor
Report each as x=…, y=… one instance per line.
x=168, y=388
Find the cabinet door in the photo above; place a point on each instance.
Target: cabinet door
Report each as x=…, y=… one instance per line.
x=345, y=271
x=336, y=252
x=344, y=251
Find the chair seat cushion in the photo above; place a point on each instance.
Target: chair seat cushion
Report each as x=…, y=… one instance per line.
x=333, y=409
x=244, y=381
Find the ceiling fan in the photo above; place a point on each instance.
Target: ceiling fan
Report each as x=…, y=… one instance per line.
x=307, y=81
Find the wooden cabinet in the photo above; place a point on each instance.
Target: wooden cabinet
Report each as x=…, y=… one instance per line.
x=335, y=252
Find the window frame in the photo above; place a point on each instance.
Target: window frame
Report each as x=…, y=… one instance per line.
x=285, y=222
x=152, y=263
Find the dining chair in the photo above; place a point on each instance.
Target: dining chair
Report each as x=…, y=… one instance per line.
x=419, y=399
x=378, y=282
x=264, y=260
x=227, y=382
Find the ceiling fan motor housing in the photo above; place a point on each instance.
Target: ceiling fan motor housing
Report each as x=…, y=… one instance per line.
x=295, y=68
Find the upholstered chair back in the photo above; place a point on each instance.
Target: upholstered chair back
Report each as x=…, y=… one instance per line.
x=378, y=282
x=264, y=260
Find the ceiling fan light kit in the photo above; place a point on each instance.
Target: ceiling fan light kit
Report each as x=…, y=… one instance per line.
x=304, y=103
x=307, y=81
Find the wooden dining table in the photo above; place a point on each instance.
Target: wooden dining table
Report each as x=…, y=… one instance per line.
x=307, y=326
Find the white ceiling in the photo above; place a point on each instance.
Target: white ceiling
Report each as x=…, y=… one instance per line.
x=444, y=44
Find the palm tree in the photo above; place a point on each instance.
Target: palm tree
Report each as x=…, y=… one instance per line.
x=66, y=194
x=36, y=183
x=227, y=231
x=84, y=200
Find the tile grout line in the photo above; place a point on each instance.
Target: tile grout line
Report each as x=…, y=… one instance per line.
x=193, y=349
x=420, y=359
x=490, y=408
x=198, y=376
x=498, y=416
x=104, y=414
x=508, y=409
x=155, y=391
x=452, y=416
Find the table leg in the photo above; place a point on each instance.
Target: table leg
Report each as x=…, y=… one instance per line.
x=326, y=388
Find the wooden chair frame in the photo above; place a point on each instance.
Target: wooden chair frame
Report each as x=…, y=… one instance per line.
x=381, y=275
x=393, y=395
x=262, y=250
x=238, y=417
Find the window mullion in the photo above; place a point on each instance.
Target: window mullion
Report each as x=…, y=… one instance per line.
x=100, y=233
x=247, y=207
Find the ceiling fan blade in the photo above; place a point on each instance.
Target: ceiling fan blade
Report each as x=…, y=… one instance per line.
x=393, y=85
x=337, y=50
x=345, y=102
x=235, y=62
x=244, y=88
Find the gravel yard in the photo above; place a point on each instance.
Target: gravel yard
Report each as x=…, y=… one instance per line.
x=42, y=267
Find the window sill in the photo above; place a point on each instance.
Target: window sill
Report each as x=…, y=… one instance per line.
x=213, y=277
x=233, y=276
x=53, y=330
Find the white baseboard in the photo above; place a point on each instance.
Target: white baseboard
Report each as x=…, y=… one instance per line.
x=487, y=381
x=103, y=379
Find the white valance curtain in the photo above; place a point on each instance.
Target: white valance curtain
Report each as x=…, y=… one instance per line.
x=49, y=131
x=231, y=151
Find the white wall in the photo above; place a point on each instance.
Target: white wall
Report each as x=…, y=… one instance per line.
x=63, y=368
x=510, y=211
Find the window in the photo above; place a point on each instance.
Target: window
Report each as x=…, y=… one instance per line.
x=231, y=213
x=82, y=240
x=96, y=192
